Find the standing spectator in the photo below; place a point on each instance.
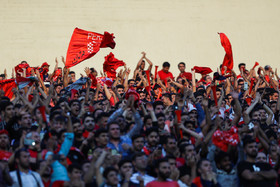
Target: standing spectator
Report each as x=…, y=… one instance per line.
x=252, y=173
x=23, y=176
x=163, y=172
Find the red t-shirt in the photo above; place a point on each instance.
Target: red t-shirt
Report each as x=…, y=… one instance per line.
x=163, y=76
x=163, y=184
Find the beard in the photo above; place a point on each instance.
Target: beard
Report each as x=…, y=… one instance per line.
x=164, y=175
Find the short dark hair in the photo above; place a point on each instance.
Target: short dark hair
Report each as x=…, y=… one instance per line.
x=108, y=170
x=183, y=63
x=168, y=95
x=99, y=132
x=220, y=156
x=71, y=167
x=166, y=138
x=134, y=137
x=18, y=152
x=159, y=161
x=123, y=161
x=156, y=103
x=4, y=104
x=150, y=130
x=241, y=64
x=74, y=101
x=138, y=154
x=248, y=140
x=166, y=64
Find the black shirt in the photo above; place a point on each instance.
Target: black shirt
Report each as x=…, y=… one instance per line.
x=254, y=167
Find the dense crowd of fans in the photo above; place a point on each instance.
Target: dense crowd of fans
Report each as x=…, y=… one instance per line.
x=146, y=128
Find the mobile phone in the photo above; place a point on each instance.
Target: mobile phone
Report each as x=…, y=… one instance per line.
x=251, y=125
x=29, y=142
x=245, y=85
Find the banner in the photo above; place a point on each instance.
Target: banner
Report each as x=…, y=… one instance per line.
x=85, y=44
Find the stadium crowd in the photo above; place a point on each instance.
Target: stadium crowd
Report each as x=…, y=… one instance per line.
x=141, y=128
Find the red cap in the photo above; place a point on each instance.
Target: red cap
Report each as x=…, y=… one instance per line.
x=45, y=64
x=4, y=132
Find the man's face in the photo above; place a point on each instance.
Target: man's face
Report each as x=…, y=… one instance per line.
x=251, y=149
x=36, y=137
x=170, y=147
x=103, y=121
x=4, y=141
x=57, y=125
x=23, y=160
x=161, y=122
x=165, y=69
x=78, y=129
x=189, y=151
x=142, y=96
x=142, y=65
x=164, y=170
x=181, y=68
x=114, y=131
x=76, y=174
x=141, y=162
x=73, y=77
x=256, y=115
x=102, y=139
x=26, y=120
x=273, y=107
x=75, y=108
x=89, y=123
x=172, y=163
x=165, y=100
x=274, y=97
x=100, y=97
x=199, y=98
x=120, y=91
x=138, y=144
x=225, y=164
x=218, y=94
x=262, y=114
x=149, y=123
x=126, y=168
x=261, y=158
x=112, y=178
x=9, y=111
x=159, y=109
x=153, y=139
x=131, y=83
x=241, y=85
x=205, y=167
x=242, y=68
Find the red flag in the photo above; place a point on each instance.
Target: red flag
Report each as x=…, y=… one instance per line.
x=42, y=110
x=111, y=64
x=7, y=86
x=228, y=59
x=214, y=94
x=202, y=70
x=85, y=44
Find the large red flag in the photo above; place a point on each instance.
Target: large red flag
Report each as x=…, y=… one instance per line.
x=228, y=59
x=7, y=86
x=111, y=64
x=85, y=44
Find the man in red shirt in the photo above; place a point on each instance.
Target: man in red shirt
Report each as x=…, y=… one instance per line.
x=163, y=172
x=164, y=74
x=183, y=73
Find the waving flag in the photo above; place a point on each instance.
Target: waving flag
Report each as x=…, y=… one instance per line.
x=111, y=64
x=24, y=81
x=7, y=86
x=85, y=44
x=228, y=59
